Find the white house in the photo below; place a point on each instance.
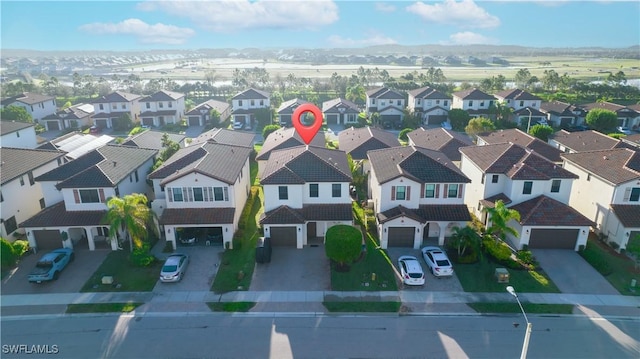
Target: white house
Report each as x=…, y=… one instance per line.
x=18, y=134
x=76, y=116
x=417, y=195
x=306, y=191
x=627, y=116
x=113, y=106
x=429, y=104
x=161, y=108
x=607, y=191
x=474, y=101
x=560, y=114
x=388, y=103
x=340, y=112
x=201, y=114
x=20, y=195
x=246, y=103
x=580, y=141
x=286, y=109
x=527, y=182
x=356, y=142
x=281, y=139
x=38, y=106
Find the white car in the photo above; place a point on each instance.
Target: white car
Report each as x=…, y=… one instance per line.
x=446, y=125
x=238, y=125
x=437, y=261
x=624, y=130
x=410, y=270
x=174, y=268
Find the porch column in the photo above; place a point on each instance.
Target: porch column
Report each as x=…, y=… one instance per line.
x=443, y=229
x=90, y=240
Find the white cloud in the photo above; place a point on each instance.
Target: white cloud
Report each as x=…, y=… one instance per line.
x=464, y=14
x=470, y=38
x=384, y=7
x=371, y=40
x=148, y=34
x=230, y=15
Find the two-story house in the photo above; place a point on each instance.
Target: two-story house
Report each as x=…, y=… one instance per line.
x=429, y=104
x=417, y=195
x=286, y=109
x=525, y=106
x=388, y=103
x=161, y=108
x=521, y=138
x=281, y=139
x=201, y=114
x=527, y=182
x=441, y=140
x=37, y=105
x=561, y=114
x=113, y=106
x=356, y=142
x=627, y=117
x=339, y=111
x=246, y=103
x=607, y=191
x=572, y=142
x=306, y=192
x=76, y=195
x=18, y=134
x=474, y=101
x=75, y=117
x=20, y=195
x=203, y=187
x=153, y=139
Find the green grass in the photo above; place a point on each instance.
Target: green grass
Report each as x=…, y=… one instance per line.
x=376, y=307
x=253, y=167
x=480, y=277
x=528, y=308
x=231, y=306
x=617, y=268
x=102, y=308
x=130, y=278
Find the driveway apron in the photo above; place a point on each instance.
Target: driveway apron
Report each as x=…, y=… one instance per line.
x=293, y=269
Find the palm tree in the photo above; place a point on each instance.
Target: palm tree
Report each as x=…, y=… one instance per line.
x=129, y=214
x=463, y=239
x=500, y=216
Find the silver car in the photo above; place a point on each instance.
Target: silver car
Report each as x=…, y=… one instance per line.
x=437, y=261
x=174, y=268
x=410, y=270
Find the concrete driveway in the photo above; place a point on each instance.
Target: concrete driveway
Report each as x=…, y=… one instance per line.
x=571, y=273
x=432, y=283
x=201, y=271
x=293, y=269
x=71, y=280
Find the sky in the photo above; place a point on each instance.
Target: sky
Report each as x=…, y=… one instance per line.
x=146, y=25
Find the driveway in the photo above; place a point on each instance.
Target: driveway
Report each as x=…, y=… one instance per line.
x=432, y=283
x=571, y=273
x=71, y=280
x=293, y=269
x=203, y=266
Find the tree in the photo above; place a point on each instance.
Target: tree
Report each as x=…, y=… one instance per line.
x=268, y=129
x=522, y=78
x=15, y=113
x=464, y=239
x=459, y=119
x=541, y=131
x=276, y=99
x=550, y=80
x=66, y=105
x=403, y=134
x=410, y=120
x=479, y=125
x=169, y=147
x=131, y=215
x=602, y=120
x=263, y=117
x=356, y=94
x=343, y=244
x=500, y=216
x=123, y=122
x=502, y=112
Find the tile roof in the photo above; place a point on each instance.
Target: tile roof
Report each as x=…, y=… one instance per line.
x=74, y=112
x=197, y=216
x=632, y=139
x=515, y=161
x=7, y=127
x=384, y=93
x=428, y=92
x=334, y=106
x=473, y=94
x=357, y=141
x=603, y=105
x=290, y=106
x=525, y=112
x=522, y=138
x=117, y=96
x=298, y=165
x=112, y=114
x=226, y=137
x=517, y=95
x=19, y=161
x=426, y=213
x=152, y=139
x=163, y=95
x=416, y=163
x=220, y=161
x=284, y=138
x=209, y=105
x=440, y=139
x=58, y=216
x=628, y=214
x=614, y=166
x=28, y=98
x=559, y=108
x=309, y=212
x=491, y=201
x=251, y=93
x=545, y=211
x=585, y=140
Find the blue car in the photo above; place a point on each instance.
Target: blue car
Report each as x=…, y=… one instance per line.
x=50, y=265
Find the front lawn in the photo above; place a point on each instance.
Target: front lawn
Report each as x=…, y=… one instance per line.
x=528, y=308
x=480, y=277
x=617, y=268
x=231, y=306
x=126, y=276
x=102, y=308
x=352, y=307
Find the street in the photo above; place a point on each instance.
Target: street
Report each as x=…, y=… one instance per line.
x=182, y=335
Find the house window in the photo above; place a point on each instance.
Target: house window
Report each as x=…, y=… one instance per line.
x=31, y=181
x=494, y=179
x=446, y=103
x=588, y=176
x=437, y=102
x=261, y=102
x=148, y=104
x=283, y=192
x=42, y=206
x=373, y=101
x=10, y=225
x=418, y=101
x=177, y=194
x=382, y=103
x=117, y=190
x=114, y=106
x=430, y=191
x=521, y=103
x=170, y=104
x=482, y=179
x=253, y=103
x=635, y=195
x=136, y=174
x=160, y=104
x=220, y=194
x=18, y=134
x=239, y=102
x=452, y=191
x=528, y=185
x=401, y=193
x=429, y=103
x=313, y=190
x=336, y=190
x=22, y=180
x=555, y=186
x=481, y=103
x=123, y=106
x=470, y=103
x=101, y=106
x=399, y=102
x=1, y=197
x=89, y=196
x=197, y=194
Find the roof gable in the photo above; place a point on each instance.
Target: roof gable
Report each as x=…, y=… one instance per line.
x=615, y=166
x=357, y=141
x=7, y=127
x=19, y=161
x=286, y=138
x=308, y=164
x=251, y=94
x=473, y=94
x=585, y=140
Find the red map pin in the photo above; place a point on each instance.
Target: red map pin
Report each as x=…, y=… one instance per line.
x=307, y=132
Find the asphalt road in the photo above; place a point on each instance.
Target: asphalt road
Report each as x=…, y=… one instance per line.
x=250, y=336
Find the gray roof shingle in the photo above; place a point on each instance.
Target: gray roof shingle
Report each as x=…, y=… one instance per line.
x=117, y=96
x=440, y=139
x=428, y=92
x=209, y=105
x=585, y=140
x=523, y=139
x=162, y=95
x=152, y=139
x=19, y=161
x=309, y=212
x=358, y=141
x=286, y=138
x=303, y=164
x=28, y=98
x=197, y=216
x=251, y=93
x=517, y=95
x=473, y=94
x=425, y=213
x=334, y=106
x=226, y=137
x=628, y=214
x=545, y=211
x=614, y=166
x=58, y=216
x=7, y=127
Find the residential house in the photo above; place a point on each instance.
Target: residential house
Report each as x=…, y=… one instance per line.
x=18, y=134
x=286, y=109
x=110, y=107
x=281, y=139
x=607, y=191
x=20, y=195
x=203, y=187
x=430, y=105
x=529, y=183
x=525, y=106
x=76, y=116
x=356, y=142
x=76, y=144
x=441, y=140
x=389, y=104
x=161, y=108
x=246, y=103
x=572, y=142
x=633, y=140
x=474, y=101
x=201, y=114
x=225, y=136
x=76, y=195
x=560, y=114
x=37, y=105
x=521, y=138
x=339, y=111
x=306, y=191
x=153, y=139
x=627, y=117
x=417, y=196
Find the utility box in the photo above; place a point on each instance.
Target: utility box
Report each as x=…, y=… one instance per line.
x=107, y=279
x=502, y=275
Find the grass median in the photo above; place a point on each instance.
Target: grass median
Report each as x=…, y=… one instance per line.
x=529, y=308
x=102, y=308
x=126, y=276
x=231, y=306
x=361, y=307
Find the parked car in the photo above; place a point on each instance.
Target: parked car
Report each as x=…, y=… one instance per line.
x=238, y=125
x=437, y=261
x=446, y=125
x=410, y=270
x=51, y=264
x=94, y=129
x=623, y=129
x=577, y=128
x=174, y=268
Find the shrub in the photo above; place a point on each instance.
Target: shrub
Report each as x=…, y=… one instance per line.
x=614, y=245
x=141, y=257
x=8, y=256
x=268, y=129
x=597, y=261
x=403, y=134
x=496, y=249
x=525, y=257
x=343, y=244
x=20, y=247
x=470, y=257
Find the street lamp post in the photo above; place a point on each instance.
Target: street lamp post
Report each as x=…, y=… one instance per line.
x=528, y=123
x=527, y=335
